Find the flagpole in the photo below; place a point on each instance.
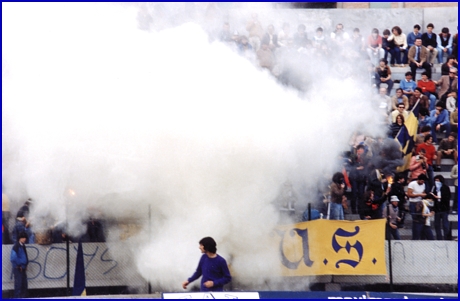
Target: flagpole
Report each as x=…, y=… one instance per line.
x=150, y=240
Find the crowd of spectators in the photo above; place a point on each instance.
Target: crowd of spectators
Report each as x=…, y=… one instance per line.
x=363, y=188
x=36, y=233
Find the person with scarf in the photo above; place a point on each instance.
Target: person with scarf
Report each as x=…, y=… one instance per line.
x=392, y=214
x=440, y=194
x=19, y=261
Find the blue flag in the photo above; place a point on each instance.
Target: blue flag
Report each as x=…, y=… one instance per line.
x=79, y=284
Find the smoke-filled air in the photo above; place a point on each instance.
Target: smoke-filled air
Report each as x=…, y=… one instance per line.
x=166, y=128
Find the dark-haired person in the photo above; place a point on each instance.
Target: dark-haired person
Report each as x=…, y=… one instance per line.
x=212, y=267
x=440, y=193
x=408, y=85
x=430, y=41
x=450, y=63
x=428, y=88
x=19, y=261
x=358, y=171
x=447, y=149
x=415, y=193
x=337, y=197
x=400, y=110
x=424, y=102
x=396, y=126
x=399, y=98
x=418, y=56
x=439, y=120
x=300, y=37
x=417, y=164
x=386, y=45
x=414, y=35
x=397, y=189
x=270, y=38
x=400, y=42
x=424, y=121
x=444, y=44
x=430, y=154
x=383, y=75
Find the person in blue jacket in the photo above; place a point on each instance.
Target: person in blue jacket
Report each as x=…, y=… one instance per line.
x=212, y=267
x=19, y=261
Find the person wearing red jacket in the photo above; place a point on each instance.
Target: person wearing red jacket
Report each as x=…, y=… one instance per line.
x=428, y=88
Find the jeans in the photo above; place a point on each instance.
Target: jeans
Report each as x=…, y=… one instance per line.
x=432, y=100
x=419, y=230
x=413, y=69
x=393, y=232
x=443, y=127
x=444, y=223
x=335, y=211
x=388, y=82
x=20, y=283
x=357, y=192
x=396, y=55
x=430, y=175
x=441, y=54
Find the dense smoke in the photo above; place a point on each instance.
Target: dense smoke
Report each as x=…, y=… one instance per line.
x=104, y=118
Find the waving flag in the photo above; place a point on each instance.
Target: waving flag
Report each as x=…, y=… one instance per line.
x=79, y=284
x=407, y=136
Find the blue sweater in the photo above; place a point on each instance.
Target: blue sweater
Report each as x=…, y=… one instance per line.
x=213, y=269
x=18, y=256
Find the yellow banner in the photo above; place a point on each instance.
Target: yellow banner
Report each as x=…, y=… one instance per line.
x=330, y=247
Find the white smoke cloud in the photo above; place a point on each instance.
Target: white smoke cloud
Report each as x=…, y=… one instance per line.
x=129, y=119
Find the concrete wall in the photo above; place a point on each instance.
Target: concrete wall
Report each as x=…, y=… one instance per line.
x=364, y=19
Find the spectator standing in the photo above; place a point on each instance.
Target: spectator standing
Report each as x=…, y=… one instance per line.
x=370, y=208
x=212, y=267
x=417, y=164
x=337, y=197
x=19, y=261
x=21, y=226
x=444, y=44
x=454, y=175
x=358, y=173
x=391, y=214
x=440, y=193
x=6, y=215
x=430, y=41
x=430, y=153
x=415, y=192
x=418, y=56
x=400, y=43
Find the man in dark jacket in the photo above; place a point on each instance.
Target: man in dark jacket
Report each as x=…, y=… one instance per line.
x=19, y=261
x=441, y=197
